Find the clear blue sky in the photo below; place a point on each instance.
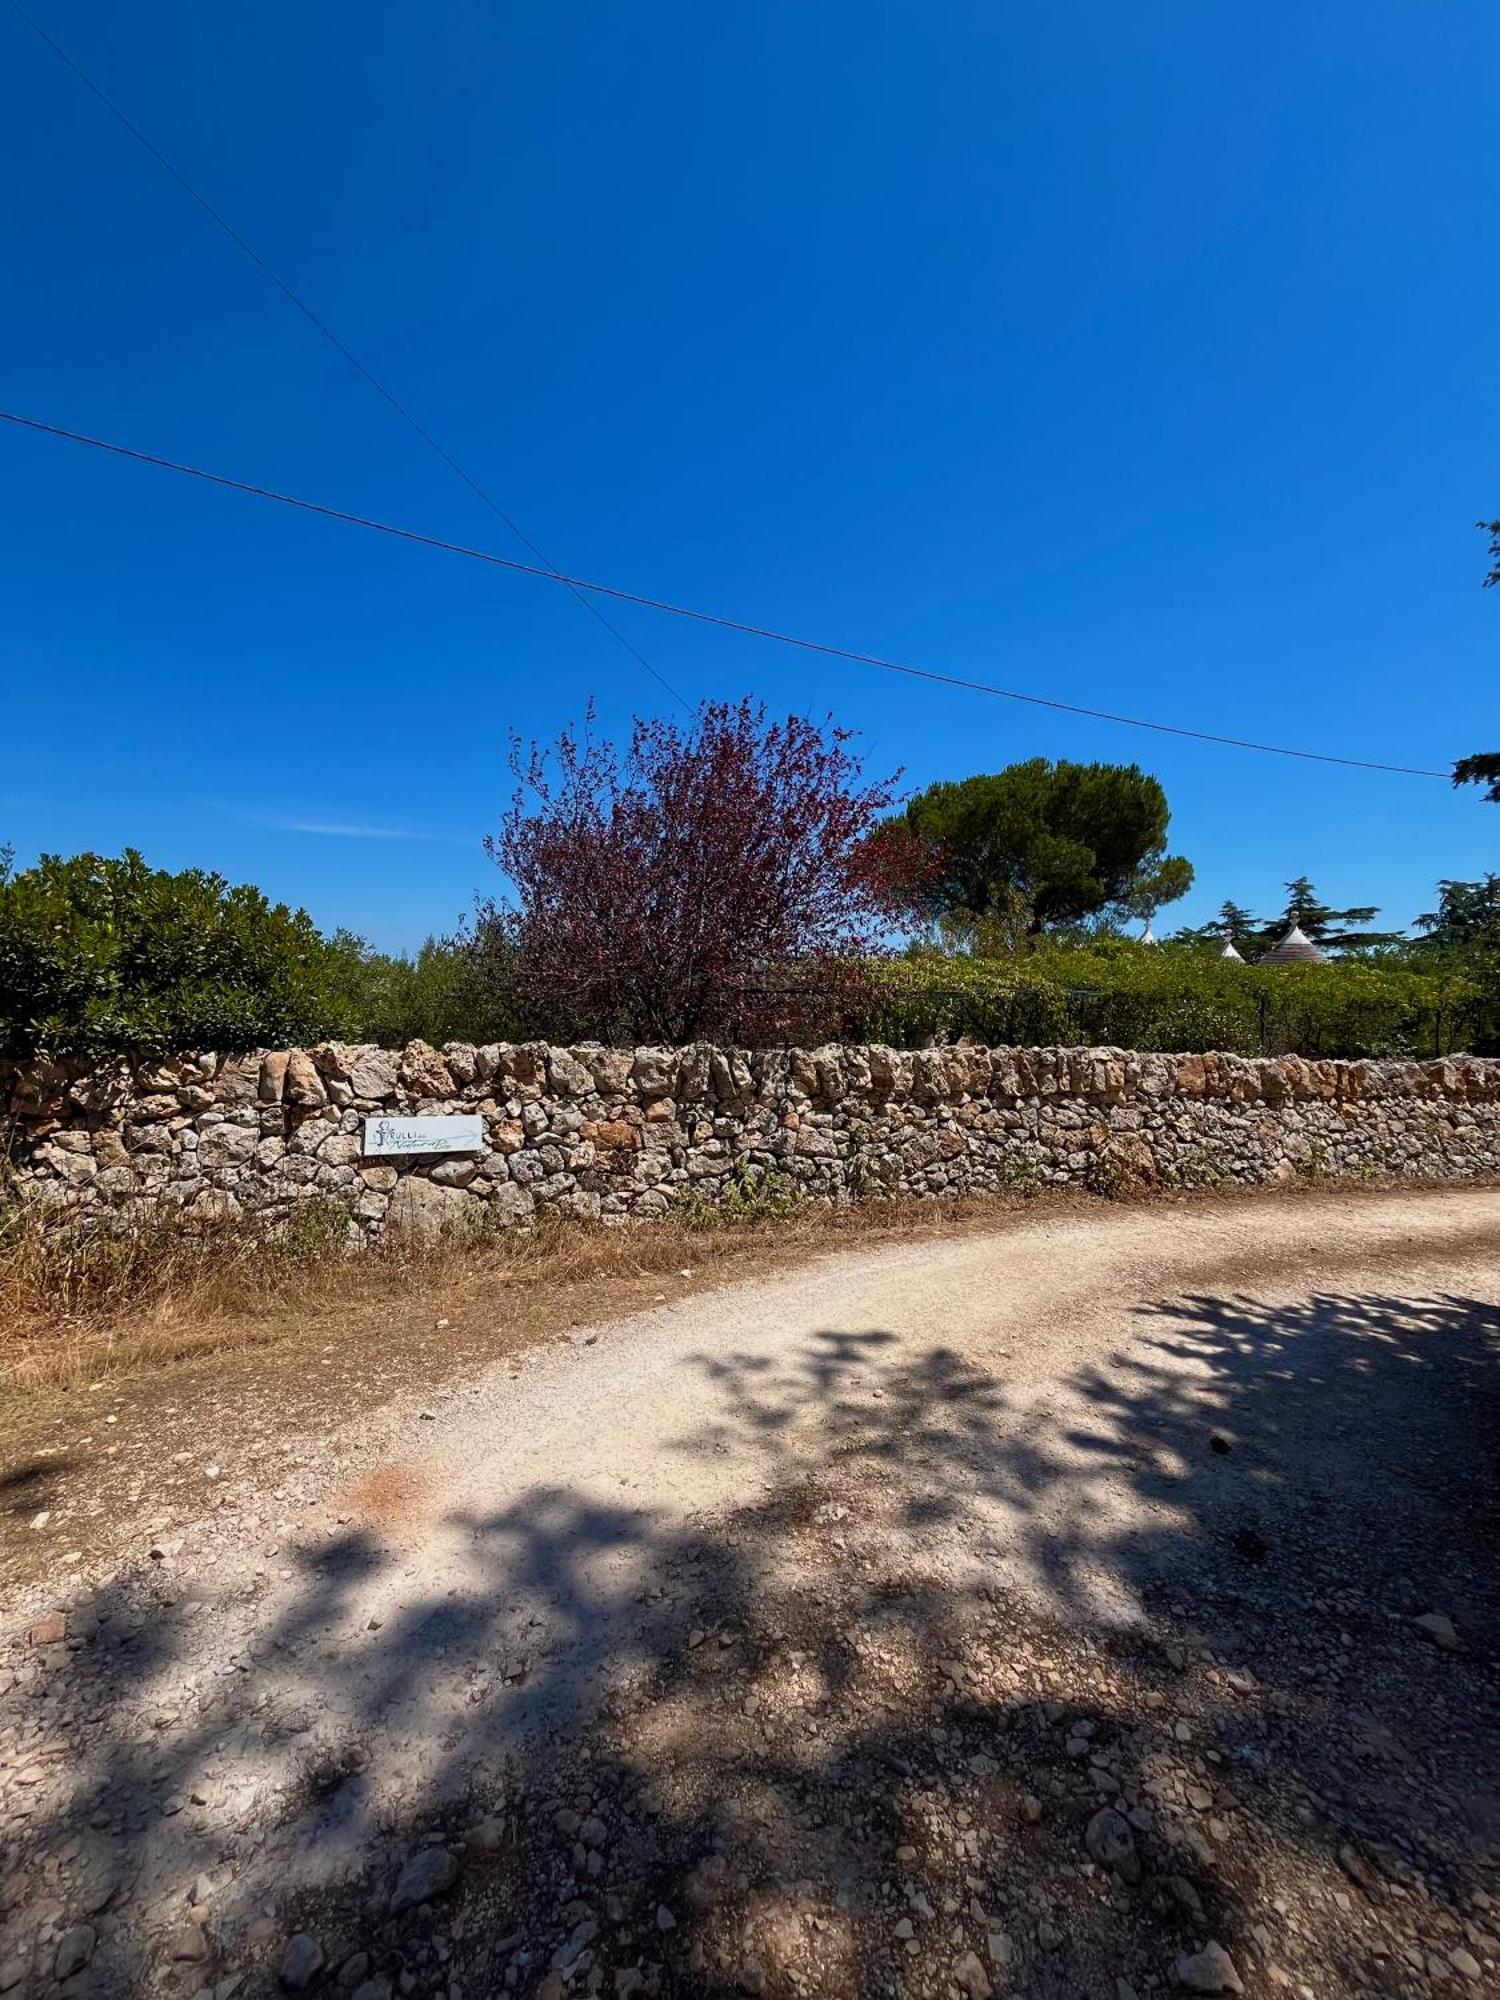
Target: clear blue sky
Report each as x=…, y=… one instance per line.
x=1141, y=356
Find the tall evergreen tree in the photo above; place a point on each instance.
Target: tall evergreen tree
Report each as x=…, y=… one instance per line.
x=1483, y=769
x=1324, y=926
x=1233, y=924
x=1467, y=913
x=1042, y=846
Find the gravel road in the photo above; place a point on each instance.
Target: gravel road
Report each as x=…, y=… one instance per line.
x=1034, y=1611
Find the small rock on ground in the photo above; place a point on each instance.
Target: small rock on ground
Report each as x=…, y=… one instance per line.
x=970, y=1977
x=301, y=1963
x=74, y=1950
x=1439, y=1629
x=187, y=1945
x=1209, y=1971
x=427, y=1874
x=1111, y=1843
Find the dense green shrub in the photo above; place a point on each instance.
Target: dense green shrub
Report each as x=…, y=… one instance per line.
x=448, y=993
x=1129, y=997
x=1111, y=991
x=102, y=956
x=105, y=957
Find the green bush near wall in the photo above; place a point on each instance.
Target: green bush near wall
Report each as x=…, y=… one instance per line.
x=100, y=957
x=446, y=992
x=1128, y=997
x=107, y=957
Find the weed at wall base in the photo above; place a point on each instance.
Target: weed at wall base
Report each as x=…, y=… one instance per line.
x=1315, y=1166
x=1020, y=1175
x=746, y=1194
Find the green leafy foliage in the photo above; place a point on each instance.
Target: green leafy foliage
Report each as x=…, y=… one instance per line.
x=1044, y=844
x=1233, y=924
x=1483, y=769
x=745, y=1194
x=447, y=992
x=1130, y=996
x=1330, y=929
x=1463, y=934
x=1468, y=914
x=99, y=956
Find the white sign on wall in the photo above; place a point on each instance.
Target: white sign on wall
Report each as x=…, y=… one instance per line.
x=424, y=1135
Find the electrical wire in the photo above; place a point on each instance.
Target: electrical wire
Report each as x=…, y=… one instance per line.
x=719, y=621
x=314, y=319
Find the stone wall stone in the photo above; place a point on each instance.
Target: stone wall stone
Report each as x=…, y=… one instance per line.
x=609, y=1133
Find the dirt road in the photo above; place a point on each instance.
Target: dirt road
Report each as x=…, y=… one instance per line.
x=1022, y=1613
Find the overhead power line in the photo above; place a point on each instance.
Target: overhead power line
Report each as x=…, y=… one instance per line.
x=716, y=619
x=314, y=319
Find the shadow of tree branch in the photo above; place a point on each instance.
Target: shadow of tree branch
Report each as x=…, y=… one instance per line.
x=848, y=1736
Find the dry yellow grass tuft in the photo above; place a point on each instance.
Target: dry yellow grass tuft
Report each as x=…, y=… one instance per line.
x=78, y=1305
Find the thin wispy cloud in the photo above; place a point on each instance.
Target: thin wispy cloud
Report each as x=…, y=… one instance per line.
x=355, y=830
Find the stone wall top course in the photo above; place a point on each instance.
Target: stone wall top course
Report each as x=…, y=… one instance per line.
x=701, y=1073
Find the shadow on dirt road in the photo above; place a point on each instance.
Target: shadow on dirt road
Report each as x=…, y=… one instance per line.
x=854, y=1737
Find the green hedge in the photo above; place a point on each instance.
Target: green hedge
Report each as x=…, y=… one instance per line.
x=1130, y=997
x=440, y=995
x=100, y=957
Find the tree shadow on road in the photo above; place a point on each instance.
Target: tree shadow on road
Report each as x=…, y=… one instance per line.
x=26, y=1488
x=847, y=1738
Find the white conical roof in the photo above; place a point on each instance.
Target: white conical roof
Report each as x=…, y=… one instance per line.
x=1148, y=936
x=1296, y=948
x=1230, y=952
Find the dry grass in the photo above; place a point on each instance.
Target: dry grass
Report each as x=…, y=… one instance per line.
x=80, y=1295
x=78, y=1306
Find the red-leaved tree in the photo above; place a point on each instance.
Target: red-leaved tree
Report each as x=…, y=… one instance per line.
x=724, y=879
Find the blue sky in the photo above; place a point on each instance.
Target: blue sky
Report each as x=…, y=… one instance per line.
x=1142, y=357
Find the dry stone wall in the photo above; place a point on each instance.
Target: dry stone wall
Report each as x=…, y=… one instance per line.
x=609, y=1133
